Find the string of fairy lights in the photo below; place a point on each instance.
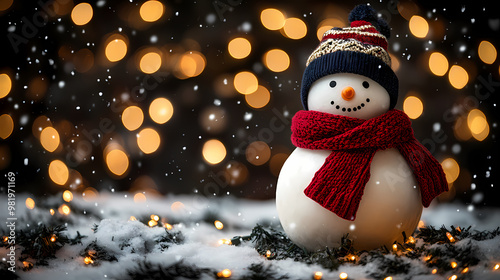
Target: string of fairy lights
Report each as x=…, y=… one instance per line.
x=189, y=62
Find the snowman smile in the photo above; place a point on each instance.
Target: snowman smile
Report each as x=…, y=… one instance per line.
x=349, y=109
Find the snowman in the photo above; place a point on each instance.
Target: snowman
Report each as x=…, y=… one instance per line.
x=358, y=170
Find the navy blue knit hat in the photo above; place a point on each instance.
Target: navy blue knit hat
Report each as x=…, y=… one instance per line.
x=359, y=49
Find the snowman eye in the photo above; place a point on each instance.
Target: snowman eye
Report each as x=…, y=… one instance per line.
x=366, y=84
x=333, y=84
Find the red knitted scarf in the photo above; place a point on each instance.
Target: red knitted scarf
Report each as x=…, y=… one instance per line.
x=339, y=184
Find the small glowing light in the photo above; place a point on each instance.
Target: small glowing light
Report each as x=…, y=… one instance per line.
x=465, y=270
x=58, y=172
x=132, y=218
x=5, y=238
x=272, y=19
x=496, y=267
x=225, y=241
x=276, y=60
x=458, y=77
x=450, y=237
x=52, y=212
x=434, y=271
x=30, y=203
x=268, y=253
x=239, y=48
x=394, y=247
x=245, y=82
x=487, y=52
x=218, y=224
x=226, y=273
x=214, y=151
x=421, y=224
x=168, y=226
x=152, y=223
x=411, y=239
x=139, y=198
x=148, y=140
x=418, y=26
x=64, y=209
x=53, y=238
x=318, y=275
x=151, y=11
x=132, y=117
x=352, y=258
x=388, y=278
x=82, y=13
x=67, y=196
x=6, y=126
x=413, y=107
x=295, y=28
x=478, y=125
x=259, y=98
x=343, y=275
x=161, y=110
x=117, y=162
x=155, y=217
x=5, y=85
x=451, y=170
x=150, y=62
x=49, y=138
x=453, y=277
x=427, y=258
x=438, y=64
x=453, y=264
x=88, y=260
x=116, y=50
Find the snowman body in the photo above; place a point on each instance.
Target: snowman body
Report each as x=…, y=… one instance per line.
x=391, y=202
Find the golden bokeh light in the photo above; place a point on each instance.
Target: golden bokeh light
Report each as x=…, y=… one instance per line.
x=64, y=210
x=413, y=107
x=276, y=60
x=245, y=82
x=272, y=19
x=478, y=125
x=6, y=126
x=319, y=275
x=258, y=153
x=49, y=138
x=295, y=28
x=458, y=77
x=5, y=4
x=192, y=64
x=451, y=169
x=487, y=52
x=438, y=64
x=30, y=203
x=67, y=196
x=5, y=85
x=150, y=62
x=326, y=25
x=418, y=26
x=89, y=194
x=116, y=50
x=177, y=206
x=239, y=48
x=394, y=62
x=151, y=11
x=82, y=13
x=39, y=124
x=218, y=224
x=117, y=162
x=58, y=172
x=148, y=140
x=161, y=110
x=214, y=151
x=132, y=117
x=259, y=98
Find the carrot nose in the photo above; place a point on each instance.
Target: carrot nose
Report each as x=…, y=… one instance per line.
x=348, y=93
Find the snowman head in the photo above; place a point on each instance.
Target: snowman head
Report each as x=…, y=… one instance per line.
x=349, y=95
x=352, y=57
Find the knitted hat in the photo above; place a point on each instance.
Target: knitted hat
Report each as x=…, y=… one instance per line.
x=359, y=49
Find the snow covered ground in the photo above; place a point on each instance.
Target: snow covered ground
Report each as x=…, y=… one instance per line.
x=133, y=243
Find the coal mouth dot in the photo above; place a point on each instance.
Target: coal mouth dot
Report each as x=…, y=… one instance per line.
x=356, y=108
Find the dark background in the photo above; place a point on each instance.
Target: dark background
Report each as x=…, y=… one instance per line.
x=456, y=30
